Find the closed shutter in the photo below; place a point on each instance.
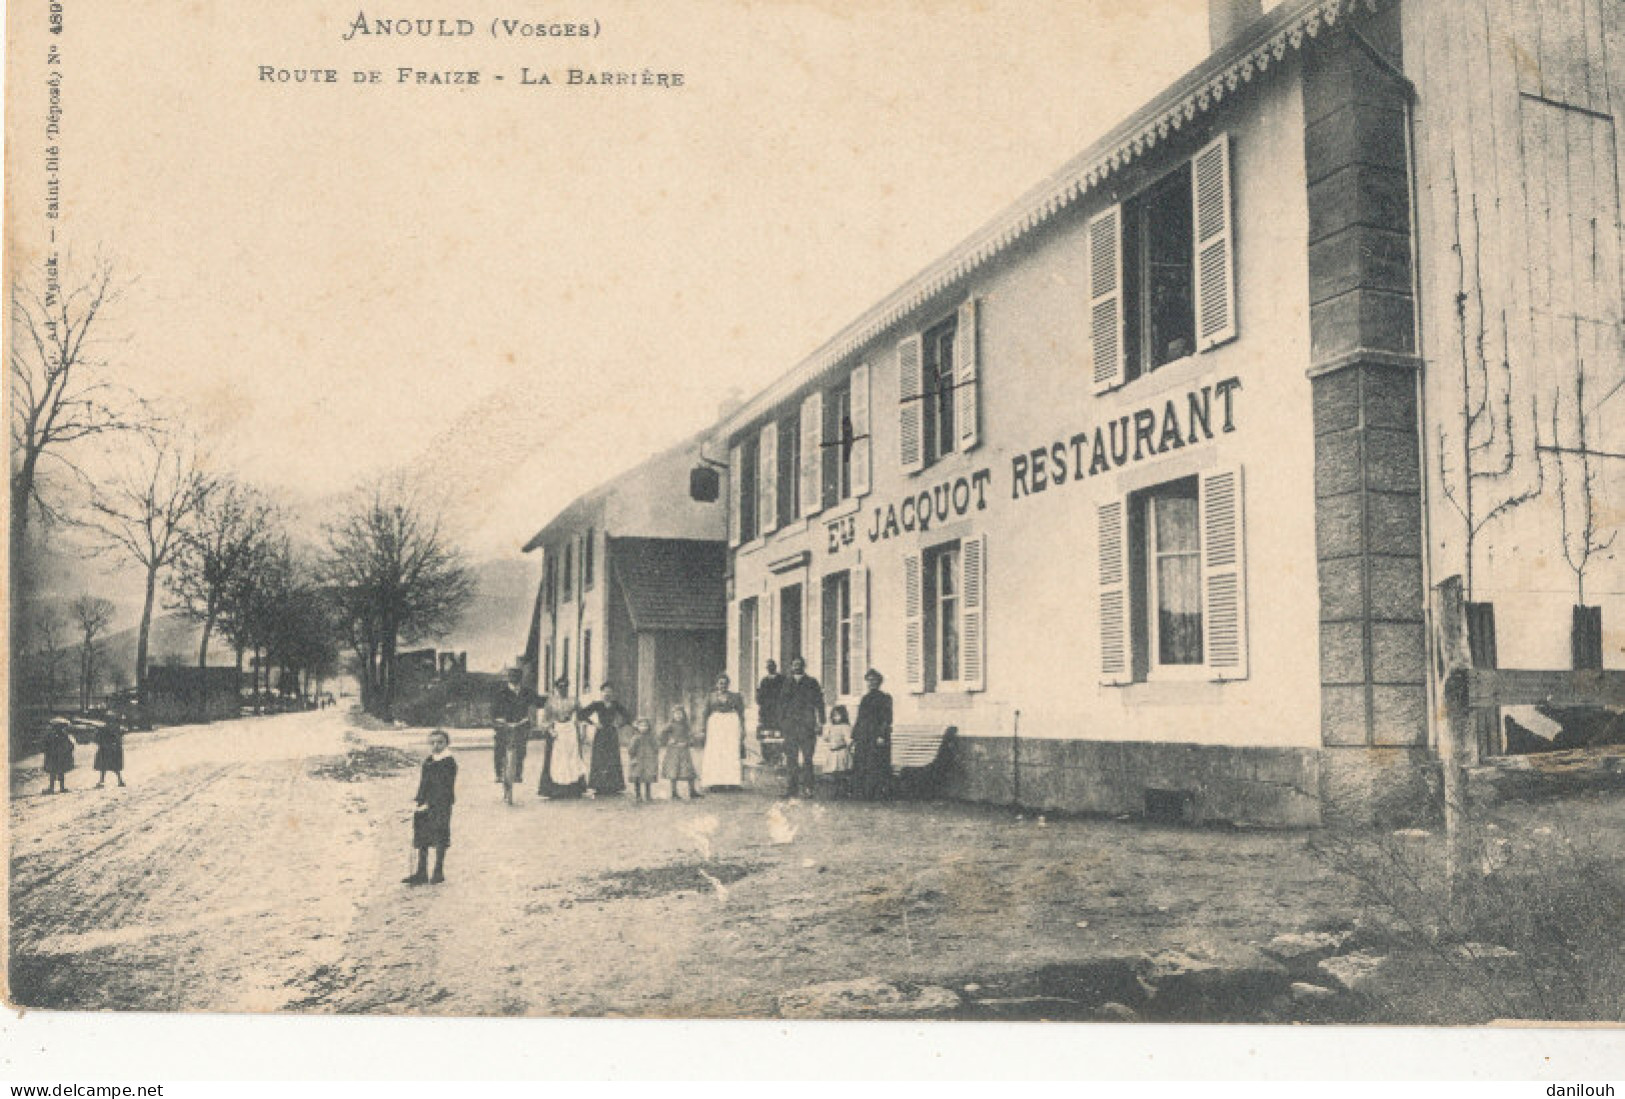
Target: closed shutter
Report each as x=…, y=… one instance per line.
x=972, y=614
x=914, y=623
x=767, y=629
x=910, y=406
x=767, y=469
x=1114, y=612
x=861, y=450
x=812, y=454
x=967, y=383
x=1215, y=264
x=736, y=483
x=1224, y=585
x=1106, y=298
x=860, y=624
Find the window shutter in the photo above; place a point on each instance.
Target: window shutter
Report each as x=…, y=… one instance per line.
x=1215, y=266
x=860, y=623
x=767, y=469
x=967, y=384
x=860, y=430
x=1114, y=635
x=1106, y=298
x=910, y=409
x=812, y=454
x=972, y=614
x=812, y=627
x=914, y=622
x=736, y=482
x=1224, y=586
x=767, y=629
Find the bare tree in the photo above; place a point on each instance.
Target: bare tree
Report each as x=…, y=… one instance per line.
x=47, y=632
x=91, y=614
x=395, y=577
x=1580, y=530
x=60, y=390
x=140, y=514
x=1488, y=480
x=218, y=551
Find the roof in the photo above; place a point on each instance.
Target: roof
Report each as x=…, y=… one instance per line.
x=671, y=583
x=1203, y=89
x=581, y=505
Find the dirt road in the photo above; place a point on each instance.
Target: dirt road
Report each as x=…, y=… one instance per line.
x=255, y=865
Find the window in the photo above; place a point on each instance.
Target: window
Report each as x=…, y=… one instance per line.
x=789, y=469
x=837, y=629
x=587, y=560
x=564, y=662
x=1172, y=581
x=547, y=678
x=586, y=659
x=747, y=646
x=566, y=579
x=1173, y=575
x=1158, y=285
x=836, y=457
x=744, y=471
x=1161, y=277
x=789, y=625
x=938, y=390
x=550, y=579
x=942, y=614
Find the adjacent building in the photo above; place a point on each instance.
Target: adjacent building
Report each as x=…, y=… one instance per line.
x=632, y=589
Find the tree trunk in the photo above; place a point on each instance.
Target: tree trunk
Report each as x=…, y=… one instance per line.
x=386, y=672
x=203, y=646
x=142, y=637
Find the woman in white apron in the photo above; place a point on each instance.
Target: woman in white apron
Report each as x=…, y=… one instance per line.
x=564, y=771
x=721, y=767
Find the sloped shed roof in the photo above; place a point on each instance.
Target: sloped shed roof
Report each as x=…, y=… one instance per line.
x=671, y=583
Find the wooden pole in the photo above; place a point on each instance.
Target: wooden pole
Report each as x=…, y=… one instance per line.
x=1454, y=664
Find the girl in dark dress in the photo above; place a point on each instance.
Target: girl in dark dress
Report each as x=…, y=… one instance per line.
x=678, y=766
x=109, y=754
x=431, y=822
x=604, y=774
x=871, y=741
x=58, y=757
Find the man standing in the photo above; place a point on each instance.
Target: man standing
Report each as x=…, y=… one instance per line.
x=801, y=719
x=510, y=724
x=767, y=709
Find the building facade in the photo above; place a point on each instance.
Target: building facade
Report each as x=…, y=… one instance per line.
x=632, y=590
x=1144, y=487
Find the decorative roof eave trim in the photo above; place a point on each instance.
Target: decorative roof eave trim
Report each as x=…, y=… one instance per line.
x=1199, y=92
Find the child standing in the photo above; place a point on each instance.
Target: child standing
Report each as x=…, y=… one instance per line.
x=109, y=754
x=58, y=757
x=643, y=759
x=431, y=821
x=679, y=762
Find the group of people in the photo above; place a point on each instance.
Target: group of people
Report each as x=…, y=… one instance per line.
x=582, y=748
x=791, y=711
x=59, y=748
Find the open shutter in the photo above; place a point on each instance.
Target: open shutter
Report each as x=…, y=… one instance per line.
x=767, y=630
x=1224, y=586
x=910, y=406
x=973, y=616
x=1106, y=298
x=914, y=623
x=1215, y=266
x=767, y=468
x=1114, y=635
x=860, y=431
x=860, y=624
x=967, y=384
x=812, y=454
x=812, y=628
x=736, y=482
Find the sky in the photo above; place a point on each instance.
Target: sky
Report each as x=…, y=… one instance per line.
x=529, y=289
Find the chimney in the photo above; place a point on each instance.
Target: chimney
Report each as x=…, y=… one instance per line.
x=1227, y=19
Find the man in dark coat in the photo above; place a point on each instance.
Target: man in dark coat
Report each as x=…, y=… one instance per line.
x=801, y=719
x=510, y=723
x=871, y=741
x=767, y=707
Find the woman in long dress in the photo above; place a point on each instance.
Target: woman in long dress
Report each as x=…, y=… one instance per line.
x=606, y=717
x=564, y=772
x=721, y=765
